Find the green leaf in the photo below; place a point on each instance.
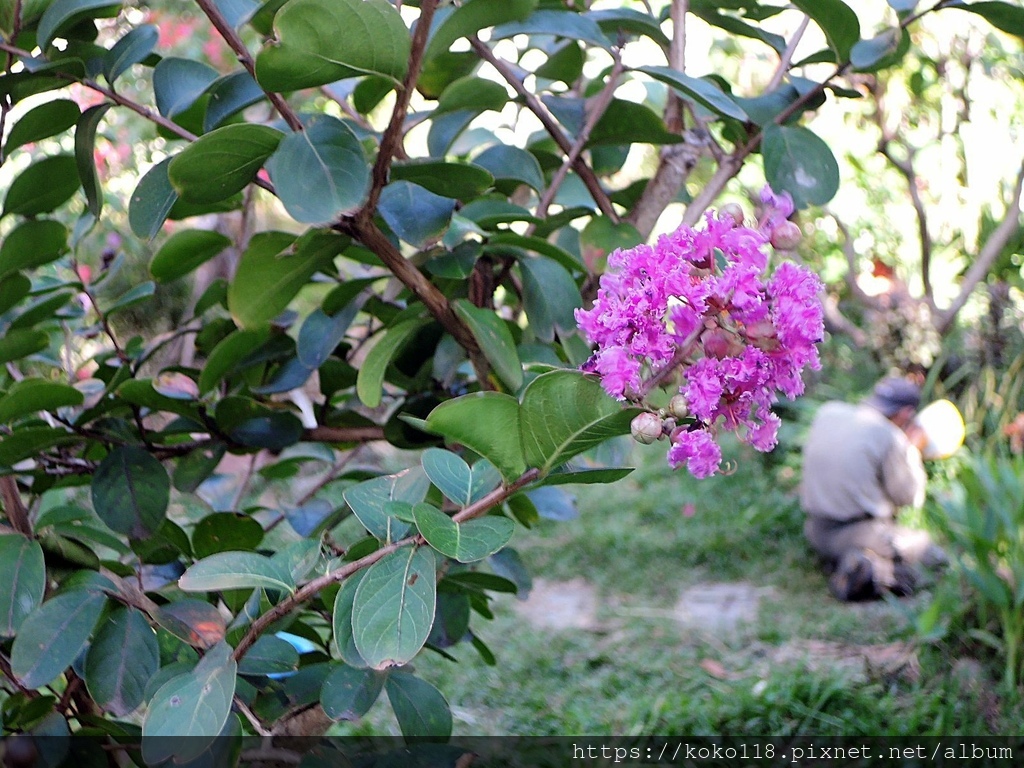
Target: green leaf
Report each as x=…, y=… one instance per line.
x=32, y=244
x=273, y=269
x=184, y=251
x=62, y=15
x=495, y=340
x=229, y=95
x=195, y=622
x=228, y=353
x=837, y=20
x=567, y=24
x=189, y=711
x=323, y=41
x=222, y=162
x=369, y=501
x=393, y=608
x=322, y=172
x=370, y=382
x=15, y=345
x=51, y=637
x=42, y=78
x=30, y=441
x=131, y=49
x=152, y=200
x=876, y=53
x=22, y=581
x=235, y=570
x=13, y=288
x=588, y=476
x=470, y=18
x=225, y=531
x=341, y=621
x=565, y=413
x=131, y=491
x=178, y=83
x=620, y=20
x=269, y=655
x=32, y=395
x=449, y=473
x=416, y=215
x=133, y=296
x=506, y=162
x=460, y=181
x=799, y=162
x=703, y=92
x=487, y=423
x=85, y=145
x=141, y=392
x=466, y=542
x=550, y=296
x=471, y=92
x=421, y=709
x=348, y=692
x=1006, y=17
x=121, y=660
x=43, y=121
x=321, y=334
x=43, y=186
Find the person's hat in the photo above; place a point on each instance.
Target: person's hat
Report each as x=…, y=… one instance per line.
x=892, y=394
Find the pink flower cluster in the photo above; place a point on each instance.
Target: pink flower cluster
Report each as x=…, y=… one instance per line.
x=697, y=302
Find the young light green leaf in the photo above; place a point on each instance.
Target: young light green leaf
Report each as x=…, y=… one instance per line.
x=46, y=120
x=564, y=413
x=369, y=500
x=495, y=340
x=370, y=382
x=487, y=423
x=178, y=83
x=799, y=162
x=85, y=145
x=152, y=201
x=32, y=394
x=121, y=660
x=32, y=244
x=184, y=251
x=235, y=570
x=449, y=473
x=322, y=172
x=43, y=186
x=51, y=637
x=393, y=607
x=421, y=709
x=221, y=163
x=349, y=692
x=189, y=711
x=131, y=491
x=131, y=49
x=22, y=581
x=323, y=41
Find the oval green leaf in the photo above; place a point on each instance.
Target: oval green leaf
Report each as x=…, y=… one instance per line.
x=221, y=163
x=85, y=145
x=225, y=531
x=349, y=692
x=370, y=382
x=15, y=345
x=393, y=607
x=43, y=121
x=152, y=201
x=121, y=660
x=22, y=581
x=235, y=570
x=704, y=92
x=799, y=162
x=33, y=395
x=131, y=49
x=269, y=655
x=43, y=186
x=495, y=340
x=61, y=15
x=421, y=710
x=178, y=83
x=449, y=473
x=487, y=423
x=415, y=214
x=32, y=244
x=837, y=20
x=460, y=181
x=131, y=491
x=369, y=501
x=185, y=250
x=51, y=637
x=466, y=542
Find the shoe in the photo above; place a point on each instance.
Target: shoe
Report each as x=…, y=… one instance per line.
x=853, y=578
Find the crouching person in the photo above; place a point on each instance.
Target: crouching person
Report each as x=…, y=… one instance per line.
x=861, y=464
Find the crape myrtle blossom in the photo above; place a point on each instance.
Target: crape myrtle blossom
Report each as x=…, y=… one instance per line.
x=698, y=308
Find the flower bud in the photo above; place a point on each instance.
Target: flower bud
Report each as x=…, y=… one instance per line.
x=646, y=428
x=679, y=407
x=733, y=210
x=786, y=236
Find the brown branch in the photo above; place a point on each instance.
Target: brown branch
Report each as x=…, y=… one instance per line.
x=906, y=168
x=987, y=256
x=233, y=40
x=14, y=507
x=598, y=106
x=677, y=60
x=787, y=55
x=391, y=141
x=309, y=590
x=322, y=434
x=586, y=174
x=852, y=271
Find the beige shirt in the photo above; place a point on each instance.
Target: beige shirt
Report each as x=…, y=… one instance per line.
x=857, y=462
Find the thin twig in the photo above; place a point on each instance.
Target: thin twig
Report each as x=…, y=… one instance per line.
x=309, y=590
x=14, y=507
x=254, y=721
x=584, y=171
x=787, y=55
x=245, y=58
x=347, y=108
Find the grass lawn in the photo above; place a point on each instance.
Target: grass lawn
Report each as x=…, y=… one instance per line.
x=640, y=661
